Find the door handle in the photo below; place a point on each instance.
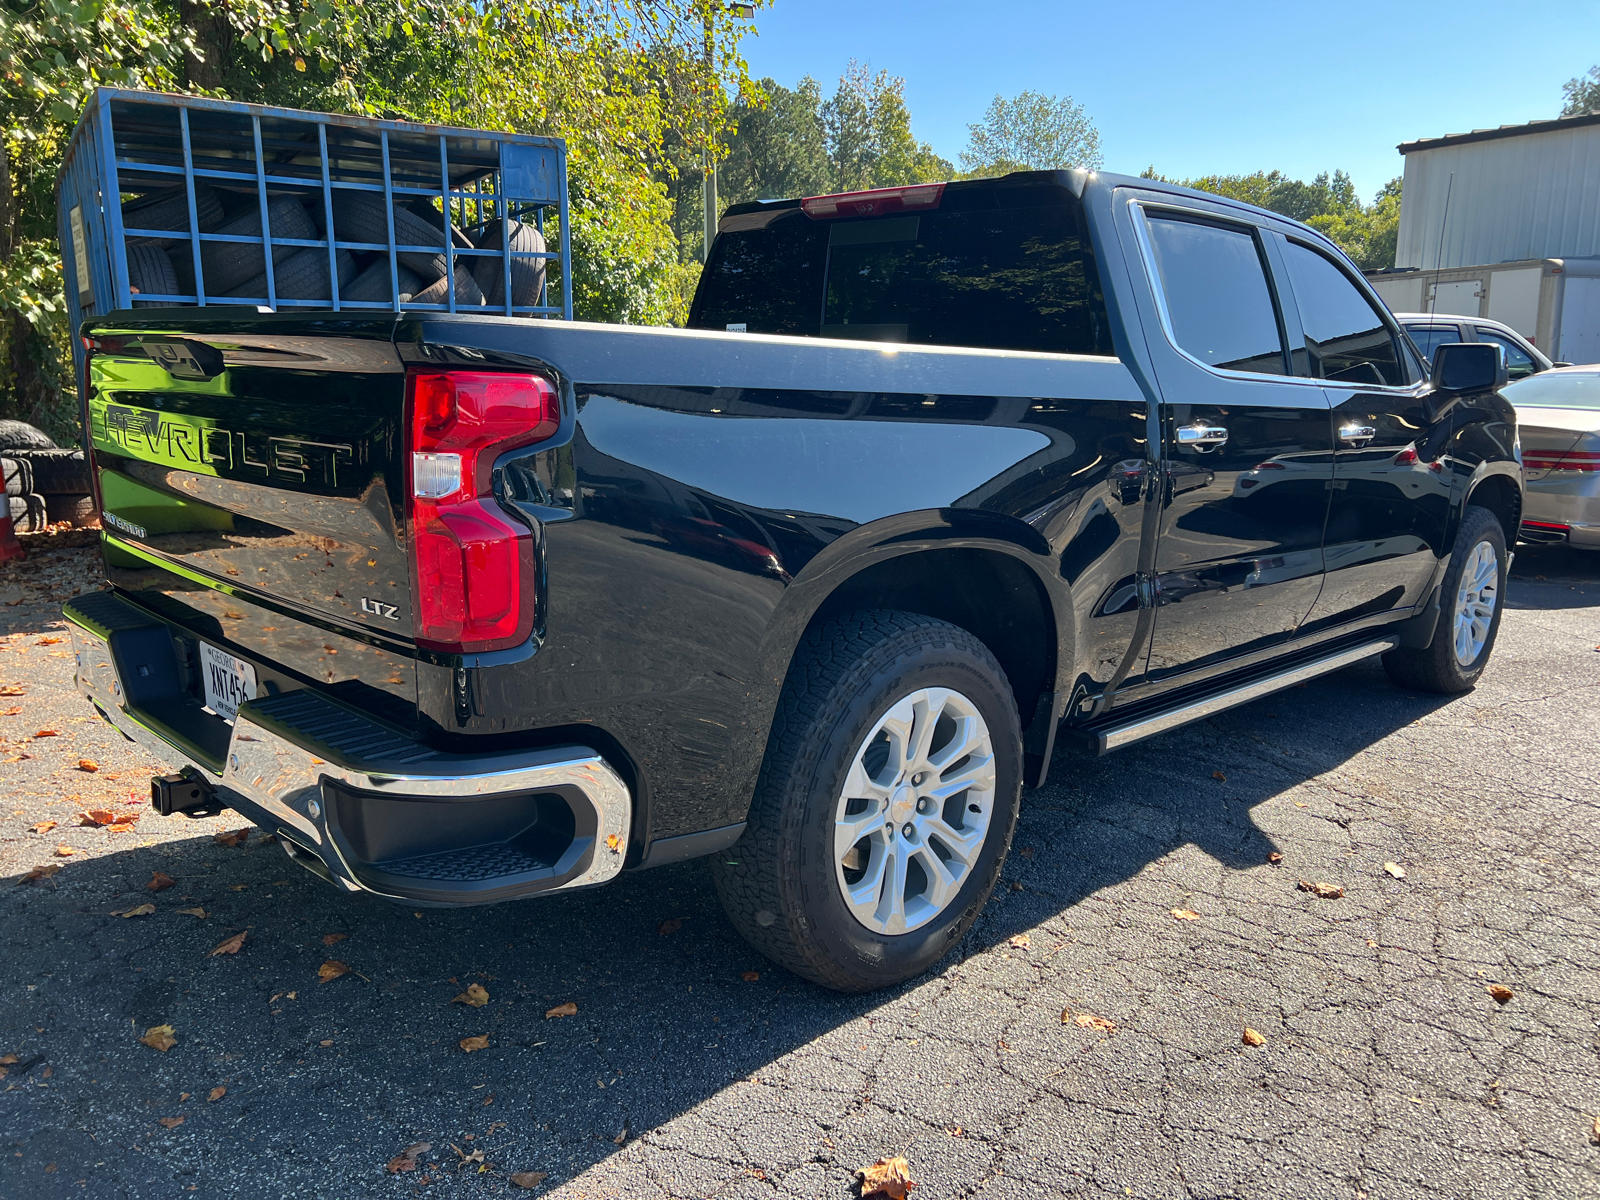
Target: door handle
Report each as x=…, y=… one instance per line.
x=1202, y=437
x=1357, y=435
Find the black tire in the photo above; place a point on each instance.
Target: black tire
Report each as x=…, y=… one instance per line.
x=28, y=514
x=77, y=510
x=19, y=435
x=57, y=472
x=372, y=285
x=228, y=264
x=1439, y=668
x=302, y=276
x=778, y=884
x=361, y=218
x=467, y=292
x=527, y=274
x=169, y=209
x=18, y=475
x=150, y=271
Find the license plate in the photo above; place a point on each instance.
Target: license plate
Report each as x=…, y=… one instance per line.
x=229, y=681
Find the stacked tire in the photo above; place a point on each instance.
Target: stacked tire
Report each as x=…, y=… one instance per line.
x=44, y=484
x=162, y=267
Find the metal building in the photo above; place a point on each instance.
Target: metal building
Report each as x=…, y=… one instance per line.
x=1505, y=223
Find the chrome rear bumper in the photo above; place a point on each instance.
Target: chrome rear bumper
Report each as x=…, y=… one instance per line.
x=292, y=760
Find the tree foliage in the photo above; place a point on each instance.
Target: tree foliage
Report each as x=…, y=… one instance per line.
x=794, y=143
x=1582, y=93
x=619, y=79
x=1329, y=204
x=1031, y=132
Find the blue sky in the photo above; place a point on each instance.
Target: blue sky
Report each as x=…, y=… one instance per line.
x=1198, y=88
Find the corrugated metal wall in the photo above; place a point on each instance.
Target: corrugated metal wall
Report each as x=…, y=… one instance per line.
x=1535, y=195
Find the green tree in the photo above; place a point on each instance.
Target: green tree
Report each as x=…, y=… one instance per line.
x=779, y=147
x=1031, y=132
x=616, y=78
x=869, y=134
x=1582, y=93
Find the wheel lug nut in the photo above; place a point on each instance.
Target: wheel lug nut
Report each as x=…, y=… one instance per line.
x=917, y=779
x=907, y=831
x=923, y=805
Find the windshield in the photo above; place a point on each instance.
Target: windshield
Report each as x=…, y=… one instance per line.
x=1556, y=389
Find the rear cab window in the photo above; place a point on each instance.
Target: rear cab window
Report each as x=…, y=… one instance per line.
x=1000, y=264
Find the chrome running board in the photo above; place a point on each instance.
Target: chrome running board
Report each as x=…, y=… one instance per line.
x=1114, y=736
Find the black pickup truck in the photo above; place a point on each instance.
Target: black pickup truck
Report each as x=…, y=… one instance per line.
x=472, y=608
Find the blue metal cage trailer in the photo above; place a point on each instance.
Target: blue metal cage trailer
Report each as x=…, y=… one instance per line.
x=161, y=199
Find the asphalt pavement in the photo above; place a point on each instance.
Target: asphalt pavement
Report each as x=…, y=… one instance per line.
x=1087, y=1040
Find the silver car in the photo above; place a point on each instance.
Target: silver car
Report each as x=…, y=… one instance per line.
x=1432, y=330
x=1558, y=419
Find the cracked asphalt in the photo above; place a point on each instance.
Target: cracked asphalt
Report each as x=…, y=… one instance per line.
x=1387, y=1071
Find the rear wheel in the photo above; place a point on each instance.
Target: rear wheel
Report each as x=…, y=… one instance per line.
x=885, y=805
x=1469, y=616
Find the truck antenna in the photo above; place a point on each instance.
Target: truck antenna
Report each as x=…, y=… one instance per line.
x=1438, y=255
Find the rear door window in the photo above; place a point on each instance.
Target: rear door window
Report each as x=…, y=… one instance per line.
x=1217, y=300
x=1430, y=337
x=1347, y=339
x=988, y=277
x=1519, y=363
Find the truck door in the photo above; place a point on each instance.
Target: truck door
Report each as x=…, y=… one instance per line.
x=1391, y=491
x=1247, y=447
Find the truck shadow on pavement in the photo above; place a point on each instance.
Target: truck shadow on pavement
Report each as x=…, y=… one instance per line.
x=368, y=1063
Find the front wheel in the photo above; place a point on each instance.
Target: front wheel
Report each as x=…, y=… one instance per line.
x=1469, y=616
x=885, y=806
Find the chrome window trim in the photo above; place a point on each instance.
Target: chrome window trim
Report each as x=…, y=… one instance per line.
x=1139, y=217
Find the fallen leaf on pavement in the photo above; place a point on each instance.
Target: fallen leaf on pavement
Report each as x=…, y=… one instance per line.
x=159, y=882
x=170, y=1122
x=1021, y=942
x=750, y=976
x=142, y=910
x=1090, y=1021
x=663, y=929
x=46, y=733
x=613, y=843
x=1026, y=852
x=193, y=912
x=406, y=1160
x=328, y=939
x=123, y=826
x=1219, y=777
x=65, y=851
x=231, y=946
x=217, y=1093
x=231, y=839
x=569, y=1009
x=475, y=995
x=1501, y=993
x=1185, y=914
x=1326, y=890
x=1395, y=869
x=469, y=1044
x=13, y=689
x=528, y=1179
x=1252, y=1038
x=42, y=871
x=14, y=711
x=8, y=1060
x=44, y=826
x=97, y=816
x=325, y=1043
x=159, y=1037
x=331, y=969
x=89, y=765
x=1594, y=1133
x=889, y=1177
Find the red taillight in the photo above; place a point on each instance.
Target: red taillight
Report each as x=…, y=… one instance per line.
x=1555, y=460
x=916, y=198
x=472, y=563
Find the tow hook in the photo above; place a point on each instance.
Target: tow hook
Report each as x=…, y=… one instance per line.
x=183, y=794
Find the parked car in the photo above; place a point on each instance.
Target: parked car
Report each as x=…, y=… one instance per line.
x=1558, y=416
x=466, y=608
x=1430, y=331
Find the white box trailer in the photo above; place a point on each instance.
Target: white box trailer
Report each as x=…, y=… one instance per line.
x=1553, y=302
